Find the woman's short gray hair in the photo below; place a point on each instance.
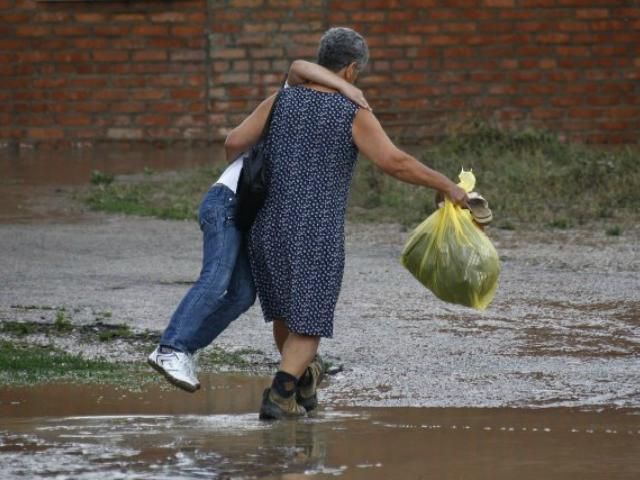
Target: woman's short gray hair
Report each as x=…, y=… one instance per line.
x=340, y=47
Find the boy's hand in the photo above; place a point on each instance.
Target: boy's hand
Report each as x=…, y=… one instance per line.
x=354, y=94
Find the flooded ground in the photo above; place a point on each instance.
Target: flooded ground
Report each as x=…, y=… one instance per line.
x=563, y=330
x=544, y=384
x=35, y=184
x=76, y=431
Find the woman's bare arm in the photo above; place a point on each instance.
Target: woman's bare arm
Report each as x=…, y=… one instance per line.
x=373, y=142
x=245, y=135
x=302, y=71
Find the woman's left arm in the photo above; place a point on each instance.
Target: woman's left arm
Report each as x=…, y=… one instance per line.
x=245, y=135
x=302, y=71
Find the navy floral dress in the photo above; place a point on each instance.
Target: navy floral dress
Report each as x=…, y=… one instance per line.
x=297, y=241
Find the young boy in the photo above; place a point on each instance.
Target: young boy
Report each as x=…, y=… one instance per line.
x=225, y=287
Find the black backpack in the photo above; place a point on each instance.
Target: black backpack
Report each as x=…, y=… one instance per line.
x=251, y=191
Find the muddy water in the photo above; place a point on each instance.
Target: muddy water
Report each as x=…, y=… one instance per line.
x=76, y=431
x=31, y=182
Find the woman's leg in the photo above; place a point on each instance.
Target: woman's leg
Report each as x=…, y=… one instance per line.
x=280, y=401
x=280, y=333
x=297, y=353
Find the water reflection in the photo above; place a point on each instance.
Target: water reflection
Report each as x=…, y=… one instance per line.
x=102, y=432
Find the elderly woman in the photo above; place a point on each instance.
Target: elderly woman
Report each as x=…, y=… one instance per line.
x=297, y=241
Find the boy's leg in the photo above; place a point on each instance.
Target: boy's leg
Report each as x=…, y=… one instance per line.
x=221, y=244
x=239, y=297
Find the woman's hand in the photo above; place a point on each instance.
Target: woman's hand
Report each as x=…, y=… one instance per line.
x=354, y=94
x=457, y=195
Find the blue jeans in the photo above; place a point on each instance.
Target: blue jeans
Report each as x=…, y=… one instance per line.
x=225, y=288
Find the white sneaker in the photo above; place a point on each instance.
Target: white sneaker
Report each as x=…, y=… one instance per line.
x=177, y=367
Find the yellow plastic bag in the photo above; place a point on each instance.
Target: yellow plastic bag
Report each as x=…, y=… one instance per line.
x=452, y=257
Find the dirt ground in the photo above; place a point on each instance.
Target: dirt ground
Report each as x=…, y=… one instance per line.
x=563, y=329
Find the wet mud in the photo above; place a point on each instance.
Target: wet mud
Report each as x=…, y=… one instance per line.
x=74, y=431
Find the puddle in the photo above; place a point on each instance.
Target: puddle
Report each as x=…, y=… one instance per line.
x=31, y=182
x=81, y=431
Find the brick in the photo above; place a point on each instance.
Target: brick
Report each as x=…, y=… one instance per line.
x=51, y=17
x=127, y=81
x=112, y=30
x=90, y=17
x=187, y=56
x=45, y=133
x=129, y=17
x=503, y=89
x=168, y=17
x=228, y=53
x=152, y=120
x=90, y=43
x=592, y=13
x=166, y=43
x=14, y=18
x=186, y=30
x=71, y=57
x=368, y=16
x=130, y=43
x=71, y=31
x=32, y=30
x=124, y=133
x=73, y=120
x=150, y=56
x=150, y=30
x=109, y=94
x=547, y=63
x=459, y=27
x=538, y=3
x=498, y=3
x=441, y=40
x=424, y=28
x=572, y=26
x=110, y=56
x=127, y=107
x=553, y=38
x=90, y=107
x=167, y=107
x=186, y=93
x=148, y=94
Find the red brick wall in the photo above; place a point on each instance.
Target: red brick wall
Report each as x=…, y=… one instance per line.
x=84, y=73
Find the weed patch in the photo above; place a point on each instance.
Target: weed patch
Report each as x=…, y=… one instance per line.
x=118, y=331
x=529, y=177
x=20, y=363
x=62, y=323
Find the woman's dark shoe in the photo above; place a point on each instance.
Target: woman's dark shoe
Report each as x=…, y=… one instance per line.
x=276, y=407
x=307, y=395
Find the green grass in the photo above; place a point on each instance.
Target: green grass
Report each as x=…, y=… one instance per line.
x=168, y=196
x=529, y=177
x=27, y=364
x=22, y=363
x=614, y=231
x=19, y=328
x=61, y=322
x=119, y=331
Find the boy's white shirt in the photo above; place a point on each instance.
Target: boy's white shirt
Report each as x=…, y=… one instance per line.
x=231, y=175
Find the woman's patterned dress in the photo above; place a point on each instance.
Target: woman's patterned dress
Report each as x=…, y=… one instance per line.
x=297, y=240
